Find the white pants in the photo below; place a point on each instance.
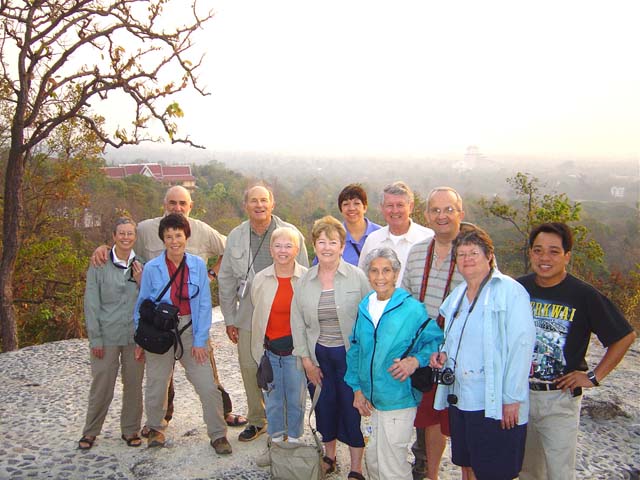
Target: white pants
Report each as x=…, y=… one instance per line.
x=552, y=436
x=386, y=453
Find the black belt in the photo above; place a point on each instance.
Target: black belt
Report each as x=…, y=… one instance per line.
x=545, y=387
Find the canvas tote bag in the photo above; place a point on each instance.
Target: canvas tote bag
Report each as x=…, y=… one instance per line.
x=297, y=461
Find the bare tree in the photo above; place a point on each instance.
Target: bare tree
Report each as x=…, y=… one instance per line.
x=57, y=56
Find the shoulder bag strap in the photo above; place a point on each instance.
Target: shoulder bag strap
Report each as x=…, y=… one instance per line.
x=178, y=334
x=173, y=277
x=410, y=347
x=314, y=402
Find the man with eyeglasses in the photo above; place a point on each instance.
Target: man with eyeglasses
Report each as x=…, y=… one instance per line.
x=246, y=254
x=401, y=232
x=429, y=276
x=566, y=311
x=205, y=242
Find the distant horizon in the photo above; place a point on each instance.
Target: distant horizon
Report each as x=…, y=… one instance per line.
x=129, y=150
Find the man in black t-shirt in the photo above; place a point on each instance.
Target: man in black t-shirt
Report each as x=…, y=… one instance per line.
x=566, y=311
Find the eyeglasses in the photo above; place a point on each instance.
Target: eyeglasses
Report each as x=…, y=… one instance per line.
x=473, y=255
x=446, y=210
x=189, y=285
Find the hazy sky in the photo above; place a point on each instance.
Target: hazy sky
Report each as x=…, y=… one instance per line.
x=548, y=78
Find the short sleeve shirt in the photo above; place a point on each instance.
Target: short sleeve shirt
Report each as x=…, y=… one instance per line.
x=565, y=315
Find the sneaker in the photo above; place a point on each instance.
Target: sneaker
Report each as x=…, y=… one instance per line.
x=156, y=439
x=221, y=446
x=251, y=433
x=264, y=459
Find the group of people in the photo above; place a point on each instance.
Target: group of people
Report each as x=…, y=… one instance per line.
x=507, y=356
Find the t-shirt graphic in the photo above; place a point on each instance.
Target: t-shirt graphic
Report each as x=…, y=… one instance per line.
x=552, y=322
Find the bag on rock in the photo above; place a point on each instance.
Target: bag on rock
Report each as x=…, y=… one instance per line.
x=297, y=461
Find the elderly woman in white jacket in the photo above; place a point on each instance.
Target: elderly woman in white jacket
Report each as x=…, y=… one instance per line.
x=271, y=295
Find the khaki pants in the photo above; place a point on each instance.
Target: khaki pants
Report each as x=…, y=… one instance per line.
x=159, y=369
x=248, y=368
x=104, y=372
x=552, y=436
x=386, y=453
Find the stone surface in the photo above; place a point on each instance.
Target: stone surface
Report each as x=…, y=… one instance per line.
x=44, y=392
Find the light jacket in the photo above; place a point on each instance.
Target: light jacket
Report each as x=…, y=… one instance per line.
x=235, y=262
x=109, y=301
x=263, y=291
x=373, y=350
x=509, y=335
x=155, y=277
x=350, y=285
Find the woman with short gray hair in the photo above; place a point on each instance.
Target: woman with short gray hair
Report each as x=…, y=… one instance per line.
x=390, y=322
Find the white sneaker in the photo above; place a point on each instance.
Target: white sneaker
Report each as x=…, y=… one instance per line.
x=264, y=459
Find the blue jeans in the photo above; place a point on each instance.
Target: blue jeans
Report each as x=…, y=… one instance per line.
x=285, y=399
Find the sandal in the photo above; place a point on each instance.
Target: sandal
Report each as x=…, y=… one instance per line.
x=234, y=420
x=331, y=464
x=85, y=443
x=132, y=441
x=356, y=475
x=145, y=431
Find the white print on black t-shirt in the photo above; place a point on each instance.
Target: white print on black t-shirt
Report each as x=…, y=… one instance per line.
x=552, y=322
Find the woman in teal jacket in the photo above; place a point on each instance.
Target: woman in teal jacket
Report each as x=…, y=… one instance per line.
x=388, y=321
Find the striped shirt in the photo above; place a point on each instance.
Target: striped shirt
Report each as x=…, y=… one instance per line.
x=412, y=280
x=330, y=334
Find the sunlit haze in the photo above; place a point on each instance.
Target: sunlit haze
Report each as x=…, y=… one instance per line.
x=420, y=78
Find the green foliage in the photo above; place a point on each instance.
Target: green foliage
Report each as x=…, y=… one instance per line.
x=48, y=290
x=530, y=208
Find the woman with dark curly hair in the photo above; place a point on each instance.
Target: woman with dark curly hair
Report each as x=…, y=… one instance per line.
x=189, y=291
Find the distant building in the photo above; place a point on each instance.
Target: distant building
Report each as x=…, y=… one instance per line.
x=617, y=192
x=167, y=174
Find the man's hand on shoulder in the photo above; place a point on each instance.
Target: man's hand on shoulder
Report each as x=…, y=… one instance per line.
x=100, y=256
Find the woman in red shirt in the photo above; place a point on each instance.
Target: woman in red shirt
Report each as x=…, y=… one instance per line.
x=271, y=295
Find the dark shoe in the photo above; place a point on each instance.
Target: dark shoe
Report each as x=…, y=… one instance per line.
x=251, y=433
x=419, y=470
x=86, y=442
x=145, y=431
x=221, y=446
x=156, y=439
x=234, y=420
x=132, y=441
x=330, y=465
x=356, y=475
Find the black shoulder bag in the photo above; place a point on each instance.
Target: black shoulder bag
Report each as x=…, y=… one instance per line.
x=157, y=329
x=422, y=378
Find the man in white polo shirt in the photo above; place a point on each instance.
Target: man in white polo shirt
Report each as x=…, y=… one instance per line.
x=401, y=232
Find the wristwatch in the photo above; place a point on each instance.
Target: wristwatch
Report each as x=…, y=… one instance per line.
x=592, y=376
x=212, y=273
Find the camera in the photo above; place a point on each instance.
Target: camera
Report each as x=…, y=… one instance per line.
x=243, y=288
x=443, y=377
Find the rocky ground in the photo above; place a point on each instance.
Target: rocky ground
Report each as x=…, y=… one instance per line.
x=43, y=399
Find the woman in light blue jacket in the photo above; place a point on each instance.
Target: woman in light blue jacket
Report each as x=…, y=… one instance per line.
x=189, y=291
x=389, y=320
x=489, y=339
